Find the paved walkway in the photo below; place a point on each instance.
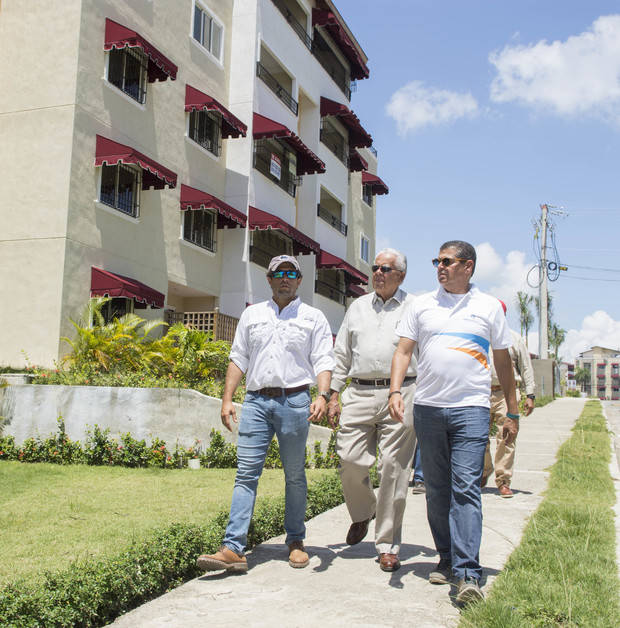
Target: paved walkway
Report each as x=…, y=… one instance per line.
x=343, y=586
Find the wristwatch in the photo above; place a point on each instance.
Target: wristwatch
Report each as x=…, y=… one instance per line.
x=326, y=395
x=532, y=397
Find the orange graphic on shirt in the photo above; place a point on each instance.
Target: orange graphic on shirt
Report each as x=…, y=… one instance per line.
x=477, y=355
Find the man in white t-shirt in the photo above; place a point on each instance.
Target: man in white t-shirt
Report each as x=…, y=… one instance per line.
x=283, y=346
x=454, y=328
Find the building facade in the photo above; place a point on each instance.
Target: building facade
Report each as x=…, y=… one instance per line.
x=161, y=152
x=603, y=366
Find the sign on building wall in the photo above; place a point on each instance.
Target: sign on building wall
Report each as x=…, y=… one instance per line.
x=275, y=167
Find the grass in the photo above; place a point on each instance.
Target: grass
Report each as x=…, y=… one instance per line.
x=51, y=515
x=564, y=571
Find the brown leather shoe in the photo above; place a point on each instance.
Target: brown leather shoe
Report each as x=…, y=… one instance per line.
x=297, y=557
x=505, y=491
x=358, y=531
x=389, y=562
x=224, y=558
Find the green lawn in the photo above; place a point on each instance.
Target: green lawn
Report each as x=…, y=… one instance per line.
x=51, y=515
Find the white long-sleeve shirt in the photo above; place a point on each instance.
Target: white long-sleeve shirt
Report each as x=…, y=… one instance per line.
x=282, y=349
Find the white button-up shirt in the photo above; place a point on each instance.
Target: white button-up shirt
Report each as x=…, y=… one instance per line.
x=367, y=338
x=282, y=349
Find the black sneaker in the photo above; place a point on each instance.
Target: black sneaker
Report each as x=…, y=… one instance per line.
x=468, y=591
x=442, y=573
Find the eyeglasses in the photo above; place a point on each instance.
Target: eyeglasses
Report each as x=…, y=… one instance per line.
x=384, y=269
x=291, y=274
x=447, y=261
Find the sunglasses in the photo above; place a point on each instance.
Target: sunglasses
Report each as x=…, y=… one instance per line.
x=384, y=269
x=291, y=274
x=447, y=261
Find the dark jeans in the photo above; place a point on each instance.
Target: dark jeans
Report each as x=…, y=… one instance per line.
x=452, y=444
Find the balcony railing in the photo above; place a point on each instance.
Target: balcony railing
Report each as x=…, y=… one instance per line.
x=336, y=144
x=272, y=83
x=287, y=181
x=221, y=326
x=373, y=150
x=331, y=292
x=261, y=257
x=296, y=25
x=332, y=220
x=331, y=64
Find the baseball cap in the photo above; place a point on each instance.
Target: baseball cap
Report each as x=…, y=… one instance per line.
x=281, y=259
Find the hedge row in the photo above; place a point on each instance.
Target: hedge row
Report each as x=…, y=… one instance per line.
x=94, y=593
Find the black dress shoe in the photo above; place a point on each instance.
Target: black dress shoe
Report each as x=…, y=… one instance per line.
x=358, y=531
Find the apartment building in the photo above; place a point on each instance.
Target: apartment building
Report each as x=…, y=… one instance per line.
x=603, y=365
x=160, y=152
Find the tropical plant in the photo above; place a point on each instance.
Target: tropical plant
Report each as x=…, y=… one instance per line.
x=557, y=335
x=526, y=318
x=582, y=377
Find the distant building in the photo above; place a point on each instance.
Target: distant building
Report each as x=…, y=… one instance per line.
x=161, y=152
x=603, y=364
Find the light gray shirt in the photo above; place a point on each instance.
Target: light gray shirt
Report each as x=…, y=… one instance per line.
x=367, y=338
x=521, y=363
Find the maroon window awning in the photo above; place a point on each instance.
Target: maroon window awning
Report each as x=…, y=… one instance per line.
x=376, y=184
x=195, y=100
x=356, y=162
x=307, y=161
x=338, y=32
x=228, y=216
x=118, y=36
x=327, y=260
x=110, y=153
x=355, y=290
x=358, y=137
x=302, y=244
x=103, y=283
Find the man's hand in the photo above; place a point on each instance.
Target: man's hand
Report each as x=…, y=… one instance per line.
x=510, y=429
x=396, y=406
x=333, y=411
x=317, y=409
x=227, y=413
x=529, y=406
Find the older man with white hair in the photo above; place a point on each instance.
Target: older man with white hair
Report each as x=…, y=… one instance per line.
x=364, y=347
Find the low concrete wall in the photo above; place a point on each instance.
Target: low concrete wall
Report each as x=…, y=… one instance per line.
x=174, y=415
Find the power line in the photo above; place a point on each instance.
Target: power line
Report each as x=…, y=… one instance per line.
x=589, y=278
x=608, y=270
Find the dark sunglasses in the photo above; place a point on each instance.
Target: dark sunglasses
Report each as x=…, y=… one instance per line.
x=384, y=269
x=447, y=261
x=291, y=274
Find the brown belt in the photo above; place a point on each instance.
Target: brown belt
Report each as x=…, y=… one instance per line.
x=496, y=388
x=380, y=382
x=280, y=392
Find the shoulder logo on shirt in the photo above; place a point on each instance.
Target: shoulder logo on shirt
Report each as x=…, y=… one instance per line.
x=483, y=343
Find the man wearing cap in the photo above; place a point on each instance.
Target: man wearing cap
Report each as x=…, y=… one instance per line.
x=505, y=451
x=283, y=346
x=364, y=348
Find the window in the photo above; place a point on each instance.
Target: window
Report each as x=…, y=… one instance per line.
x=205, y=128
x=365, y=249
x=127, y=70
x=120, y=188
x=278, y=163
x=267, y=244
x=199, y=227
x=334, y=140
x=116, y=308
x=208, y=32
x=367, y=194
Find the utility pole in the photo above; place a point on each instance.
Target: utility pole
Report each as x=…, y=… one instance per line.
x=543, y=340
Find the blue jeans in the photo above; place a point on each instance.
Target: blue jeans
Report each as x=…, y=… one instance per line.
x=261, y=418
x=452, y=445
x=418, y=475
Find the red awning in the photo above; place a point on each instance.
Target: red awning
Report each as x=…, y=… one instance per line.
x=118, y=36
x=195, y=100
x=358, y=136
x=103, y=283
x=327, y=260
x=307, y=161
x=356, y=162
x=324, y=17
x=228, y=216
x=353, y=290
x=378, y=187
x=110, y=153
x=301, y=242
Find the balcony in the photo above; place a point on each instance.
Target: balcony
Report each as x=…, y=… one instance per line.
x=272, y=83
x=221, y=326
x=335, y=142
x=287, y=181
x=295, y=24
x=599, y=376
x=329, y=291
x=331, y=219
x=331, y=64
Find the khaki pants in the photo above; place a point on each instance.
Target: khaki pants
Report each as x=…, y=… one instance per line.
x=504, y=453
x=365, y=426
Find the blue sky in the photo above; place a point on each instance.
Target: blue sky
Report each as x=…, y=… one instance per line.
x=481, y=110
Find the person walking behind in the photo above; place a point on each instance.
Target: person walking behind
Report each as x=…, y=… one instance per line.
x=454, y=328
x=418, y=474
x=283, y=346
x=364, y=347
x=505, y=452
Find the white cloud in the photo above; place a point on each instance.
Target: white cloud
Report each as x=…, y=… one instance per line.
x=576, y=76
x=598, y=328
x=414, y=106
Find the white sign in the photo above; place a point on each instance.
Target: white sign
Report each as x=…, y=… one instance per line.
x=275, y=167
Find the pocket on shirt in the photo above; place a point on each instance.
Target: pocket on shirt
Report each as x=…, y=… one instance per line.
x=299, y=399
x=297, y=336
x=257, y=334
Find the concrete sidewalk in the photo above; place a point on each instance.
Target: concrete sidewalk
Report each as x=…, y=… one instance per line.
x=343, y=586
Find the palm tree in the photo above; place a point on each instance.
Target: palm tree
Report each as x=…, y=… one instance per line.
x=582, y=377
x=557, y=335
x=526, y=318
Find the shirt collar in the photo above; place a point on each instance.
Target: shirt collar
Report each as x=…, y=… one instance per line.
x=291, y=307
x=399, y=296
x=441, y=291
